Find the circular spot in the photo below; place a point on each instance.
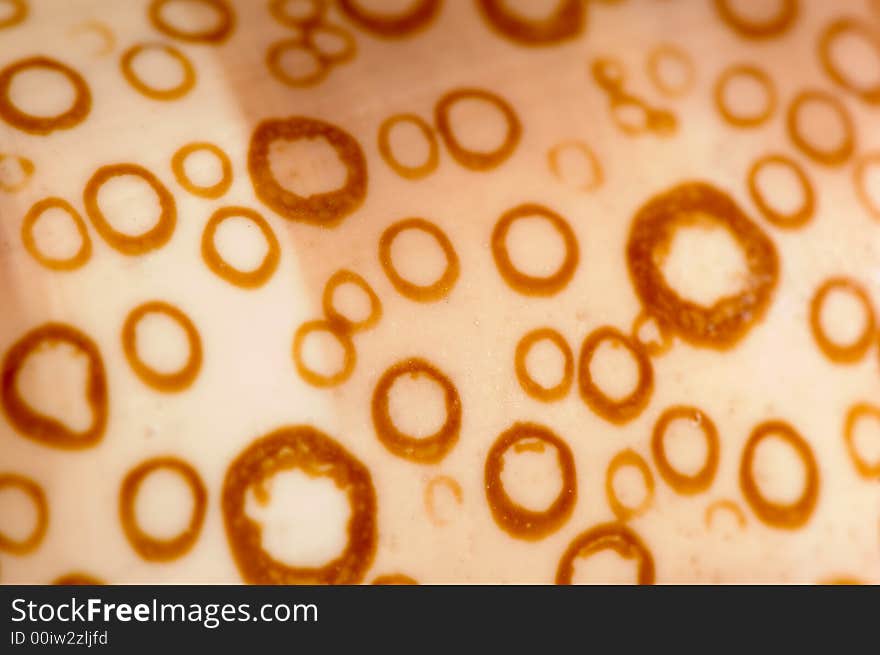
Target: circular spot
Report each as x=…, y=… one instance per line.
x=77, y=578
x=148, y=547
x=426, y=450
x=340, y=332
x=448, y=482
x=778, y=515
x=334, y=44
x=726, y=321
x=129, y=244
x=349, y=277
x=736, y=75
x=388, y=25
x=245, y=279
x=869, y=194
x=127, y=65
x=531, y=285
x=625, y=409
x=607, y=536
x=788, y=220
x=394, y=579
x=655, y=347
x=405, y=171
x=298, y=13
x=518, y=521
x=628, y=458
x=418, y=292
x=473, y=159
x=565, y=23
x=567, y=150
x=168, y=382
x=853, y=351
x=35, y=493
x=727, y=506
x=682, y=482
x=16, y=15
x=33, y=124
x=37, y=426
x=766, y=28
x=318, y=455
x=665, y=57
x=294, y=63
x=178, y=166
x=848, y=28
x=531, y=386
x=79, y=258
x=326, y=209
x=856, y=414
x=821, y=153
x=15, y=175
x=214, y=34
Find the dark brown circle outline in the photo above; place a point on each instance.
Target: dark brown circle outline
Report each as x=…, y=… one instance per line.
x=150, y=548
x=615, y=411
x=834, y=157
x=77, y=579
x=19, y=14
x=865, y=469
x=126, y=65
x=595, y=164
x=273, y=63
x=178, y=167
x=36, y=494
x=428, y=495
x=730, y=506
x=39, y=427
x=729, y=319
x=392, y=27
x=318, y=455
x=859, y=181
x=216, y=35
x=27, y=170
x=755, y=73
x=852, y=352
x=276, y=8
x=785, y=516
x=340, y=58
x=786, y=221
x=472, y=159
x=165, y=382
x=566, y=23
x=769, y=29
x=682, y=483
x=243, y=279
x=654, y=349
x=394, y=579
x=78, y=259
x=653, y=66
x=527, y=382
x=427, y=450
x=345, y=276
x=324, y=209
x=152, y=239
x=409, y=172
x=834, y=30
x=516, y=520
x=616, y=536
x=420, y=293
x=342, y=334
x=43, y=125
x=530, y=285
x=631, y=458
